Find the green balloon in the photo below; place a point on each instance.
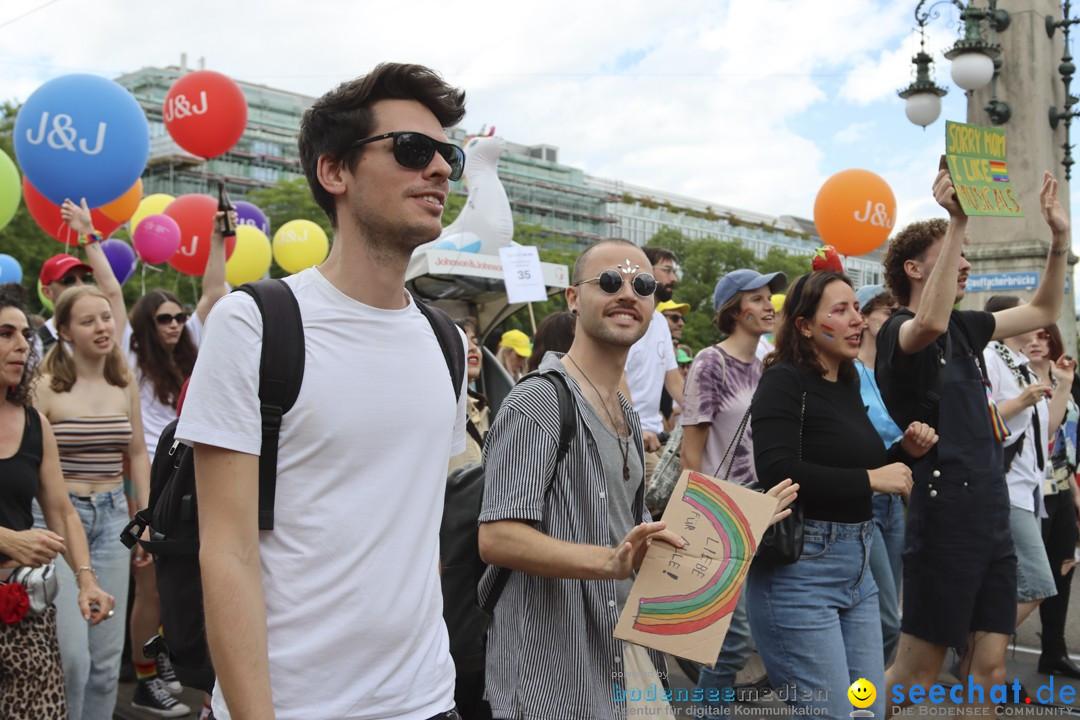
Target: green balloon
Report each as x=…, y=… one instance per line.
x=45, y=302
x=10, y=189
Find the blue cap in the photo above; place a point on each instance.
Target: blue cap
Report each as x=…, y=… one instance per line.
x=737, y=281
x=866, y=294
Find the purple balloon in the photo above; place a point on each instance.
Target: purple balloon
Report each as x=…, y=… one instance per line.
x=248, y=214
x=121, y=258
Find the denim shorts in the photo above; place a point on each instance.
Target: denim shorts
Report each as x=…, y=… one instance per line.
x=1034, y=578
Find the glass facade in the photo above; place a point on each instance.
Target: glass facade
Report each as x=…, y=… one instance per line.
x=558, y=198
x=264, y=155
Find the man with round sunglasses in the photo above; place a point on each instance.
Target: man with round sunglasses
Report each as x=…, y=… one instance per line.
x=651, y=367
x=574, y=531
x=369, y=437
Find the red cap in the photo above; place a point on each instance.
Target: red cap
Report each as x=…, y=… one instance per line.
x=60, y=265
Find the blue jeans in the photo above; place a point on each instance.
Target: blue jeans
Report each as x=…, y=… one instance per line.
x=737, y=648
x=886, y=564
x=91, y=655
x=816, y=622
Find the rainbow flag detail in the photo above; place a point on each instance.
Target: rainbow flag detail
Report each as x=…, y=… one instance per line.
x=682, y=614
x=999, y=171
x=1001, y=430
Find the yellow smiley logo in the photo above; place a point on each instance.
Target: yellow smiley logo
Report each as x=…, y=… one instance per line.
x=862, y=693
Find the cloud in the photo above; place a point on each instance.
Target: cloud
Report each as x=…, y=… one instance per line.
x=744, y=103
x=854, y=133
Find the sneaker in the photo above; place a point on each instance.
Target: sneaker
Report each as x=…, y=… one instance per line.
x=152, y=695
x=168, y=675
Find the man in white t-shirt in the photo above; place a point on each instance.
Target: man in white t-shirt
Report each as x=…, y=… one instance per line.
x=651, y=365
x=337, y=611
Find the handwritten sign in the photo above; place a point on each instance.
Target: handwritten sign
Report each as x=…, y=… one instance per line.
x=980, y=173
x=682, y=599
x=522, y=274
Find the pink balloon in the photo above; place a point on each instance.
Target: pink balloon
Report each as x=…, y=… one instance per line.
x=156, y=238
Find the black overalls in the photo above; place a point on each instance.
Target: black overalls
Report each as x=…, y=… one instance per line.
x=959, y=561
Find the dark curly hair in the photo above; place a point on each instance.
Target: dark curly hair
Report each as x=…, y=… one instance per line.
x=13, y=295
x=343, y=115
x=165, y=370
x=910, y=243
x=555, y=333
x=802, y=302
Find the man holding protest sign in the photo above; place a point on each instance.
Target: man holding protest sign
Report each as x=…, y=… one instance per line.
x=959, y=559
x=573, y=531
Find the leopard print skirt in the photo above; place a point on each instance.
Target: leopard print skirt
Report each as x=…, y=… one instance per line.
x=31, y=678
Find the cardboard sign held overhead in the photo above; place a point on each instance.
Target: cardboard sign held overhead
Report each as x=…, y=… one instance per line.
x=980, y=173
x=682, y=599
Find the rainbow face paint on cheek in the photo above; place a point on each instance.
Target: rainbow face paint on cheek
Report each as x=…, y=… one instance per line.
x=827, y=331
x=748, y=314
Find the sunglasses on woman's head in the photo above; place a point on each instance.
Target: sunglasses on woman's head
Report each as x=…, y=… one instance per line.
x=610, y=281
x=69, y=280
x=414, y=150
x=166, y=319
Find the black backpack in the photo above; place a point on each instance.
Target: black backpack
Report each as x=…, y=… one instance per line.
x=172, y=515
x=466, y=618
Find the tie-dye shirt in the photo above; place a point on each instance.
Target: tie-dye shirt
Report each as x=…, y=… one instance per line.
x=718, y=391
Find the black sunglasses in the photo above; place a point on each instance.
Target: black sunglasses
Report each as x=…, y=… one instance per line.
x=414, y=150
x=610, y=281
x=69, y=280
x=167, y=319
x=676, y=318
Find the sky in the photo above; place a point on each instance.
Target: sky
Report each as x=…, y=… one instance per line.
x=751, y=104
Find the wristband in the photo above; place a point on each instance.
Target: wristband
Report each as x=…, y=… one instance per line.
x=86, y=568
x=92, y=237
x=1058, y=251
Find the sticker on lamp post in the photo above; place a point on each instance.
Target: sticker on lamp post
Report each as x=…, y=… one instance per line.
x=980, y=173
x=522, y=274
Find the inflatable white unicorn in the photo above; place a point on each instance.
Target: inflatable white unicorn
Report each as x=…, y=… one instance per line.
x=485, y=223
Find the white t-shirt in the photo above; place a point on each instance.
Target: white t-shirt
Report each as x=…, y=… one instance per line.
x=648, y=361
x=156, y=414
x=350, y=570
x=1024, y=478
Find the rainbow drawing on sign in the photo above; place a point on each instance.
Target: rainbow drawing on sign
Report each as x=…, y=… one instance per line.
x=999, y=171
x=683, y=614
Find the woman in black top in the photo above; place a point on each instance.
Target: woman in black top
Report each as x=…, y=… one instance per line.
x=31, y=679
x=816, y=622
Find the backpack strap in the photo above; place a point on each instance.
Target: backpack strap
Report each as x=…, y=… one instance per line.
x=281, y=372
x=46, y=337
x=567, y=430
x=449, y=337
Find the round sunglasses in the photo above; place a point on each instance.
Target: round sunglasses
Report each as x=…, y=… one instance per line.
x=611, y=281
x=166, y=319
x=414, y=150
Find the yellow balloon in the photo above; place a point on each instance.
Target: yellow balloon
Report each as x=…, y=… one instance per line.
x=300, y=244
x=250, y=257
x=149, y=205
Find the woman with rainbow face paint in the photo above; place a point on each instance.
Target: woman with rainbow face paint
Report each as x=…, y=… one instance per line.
x=816, y=621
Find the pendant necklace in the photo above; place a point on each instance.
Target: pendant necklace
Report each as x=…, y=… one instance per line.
x=624, y=442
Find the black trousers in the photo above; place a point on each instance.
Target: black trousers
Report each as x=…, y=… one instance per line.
x=1059, y=536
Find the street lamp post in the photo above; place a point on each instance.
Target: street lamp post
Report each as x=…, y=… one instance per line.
x=1012, y=37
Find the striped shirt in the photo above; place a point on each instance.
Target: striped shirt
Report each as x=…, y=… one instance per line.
x=550, y=649
x=92, y=448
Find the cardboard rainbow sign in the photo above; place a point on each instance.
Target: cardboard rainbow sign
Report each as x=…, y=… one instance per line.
x=682, y=598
